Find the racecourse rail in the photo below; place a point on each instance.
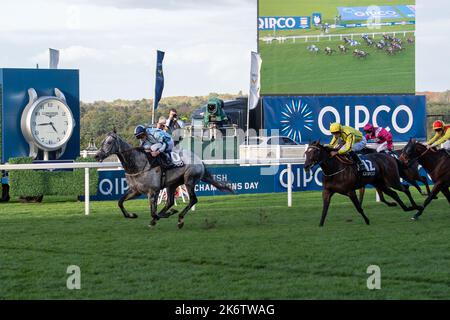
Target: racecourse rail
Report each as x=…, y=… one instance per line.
x=116, y=165
x=329, y=37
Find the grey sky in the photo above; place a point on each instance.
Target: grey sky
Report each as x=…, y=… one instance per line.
x=207, y=43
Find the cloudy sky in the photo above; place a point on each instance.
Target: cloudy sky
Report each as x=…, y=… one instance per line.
x=207, y=43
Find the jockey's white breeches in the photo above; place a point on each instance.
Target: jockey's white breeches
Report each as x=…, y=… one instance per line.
x=446, y=145
x=382, y=147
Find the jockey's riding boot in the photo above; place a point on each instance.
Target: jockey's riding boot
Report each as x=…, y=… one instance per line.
x=166, y=162
x=359, y=164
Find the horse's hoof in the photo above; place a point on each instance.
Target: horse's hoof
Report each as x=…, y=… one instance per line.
x=415, y=217
x=152, y=223
x=180, y=224
x=133, y=216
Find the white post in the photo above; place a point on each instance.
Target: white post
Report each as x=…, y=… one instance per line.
x=86, y=191
x=289, y=172
x=377, y=196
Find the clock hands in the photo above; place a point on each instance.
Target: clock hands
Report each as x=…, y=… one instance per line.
x=49, y=124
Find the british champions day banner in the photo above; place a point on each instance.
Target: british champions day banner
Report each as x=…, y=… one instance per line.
x=305, y=119
x=284, y=23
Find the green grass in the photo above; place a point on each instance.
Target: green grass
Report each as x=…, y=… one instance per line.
x=289, y=68
x=250, y=247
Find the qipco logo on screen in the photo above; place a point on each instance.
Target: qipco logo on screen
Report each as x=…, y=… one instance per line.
x=277, y=22
x=399, y=119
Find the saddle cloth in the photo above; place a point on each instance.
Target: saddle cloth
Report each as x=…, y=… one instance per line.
x=370, y=169
x=176, y=158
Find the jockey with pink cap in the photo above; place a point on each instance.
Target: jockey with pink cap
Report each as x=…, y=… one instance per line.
x=381, y=135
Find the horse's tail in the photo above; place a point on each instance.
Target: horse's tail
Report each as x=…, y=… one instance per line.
x=209, y=179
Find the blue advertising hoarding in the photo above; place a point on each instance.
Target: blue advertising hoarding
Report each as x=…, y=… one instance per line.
x=307, y=118
x=244, y=180
x=317, y=18
x=408, y=11
x=364, y=13
x=284, y=23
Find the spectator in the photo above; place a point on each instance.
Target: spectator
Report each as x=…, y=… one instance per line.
x=173, y=123
x=162, y=124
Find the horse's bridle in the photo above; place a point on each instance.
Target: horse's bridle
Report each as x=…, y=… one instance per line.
x=124, y=151
x=325, y=161
x=420, y=156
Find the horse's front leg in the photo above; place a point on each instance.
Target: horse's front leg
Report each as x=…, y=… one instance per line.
x=362, y=191
x=436, y=189
x=169, y=203
x=131, y=194
x=326, y=195
x=153, y=202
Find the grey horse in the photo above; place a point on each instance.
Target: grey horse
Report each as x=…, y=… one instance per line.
x=144, y=177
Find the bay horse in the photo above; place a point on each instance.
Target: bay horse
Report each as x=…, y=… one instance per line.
x=144, y=177
x=410, y=174
x=341, y=176
x=436, y=163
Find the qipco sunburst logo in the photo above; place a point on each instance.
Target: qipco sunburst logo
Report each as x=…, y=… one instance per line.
x=296, y=118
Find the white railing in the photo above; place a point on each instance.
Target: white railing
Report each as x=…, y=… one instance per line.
x=330, y=37
x=115, y=165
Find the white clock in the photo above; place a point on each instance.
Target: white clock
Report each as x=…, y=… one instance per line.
x=47, y=123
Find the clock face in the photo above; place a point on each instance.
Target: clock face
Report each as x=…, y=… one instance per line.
x=51, y=123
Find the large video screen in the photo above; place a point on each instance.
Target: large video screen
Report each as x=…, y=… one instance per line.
x=337, y=46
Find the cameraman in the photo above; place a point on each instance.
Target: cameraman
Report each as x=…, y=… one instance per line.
x=173, y=123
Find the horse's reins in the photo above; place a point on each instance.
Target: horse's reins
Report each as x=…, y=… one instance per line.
x=144, y=170
x=325, y=161
x=422, y=154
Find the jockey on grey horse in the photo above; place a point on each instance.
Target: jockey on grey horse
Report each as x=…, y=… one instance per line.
x=158, y=143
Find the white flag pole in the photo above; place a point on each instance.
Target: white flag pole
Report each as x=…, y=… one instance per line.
x=255, y=86
x=248, y=102
x=248, y=118
x=54, y=58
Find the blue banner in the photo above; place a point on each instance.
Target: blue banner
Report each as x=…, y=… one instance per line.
x=408, y=11
x=244, y=180
x=317, y=18
x=159, y=84
x=284, y=23
x=364, y=13
x=308, y=118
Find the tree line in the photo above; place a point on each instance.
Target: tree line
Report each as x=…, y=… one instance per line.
x=100, y=117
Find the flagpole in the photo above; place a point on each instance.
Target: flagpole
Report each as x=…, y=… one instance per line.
x=153, y=110
x=154, y=92
x=248, y=118
x=248, y=104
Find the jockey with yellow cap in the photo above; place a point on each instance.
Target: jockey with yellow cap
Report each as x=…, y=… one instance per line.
x=349, y=140
x=442, y=135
